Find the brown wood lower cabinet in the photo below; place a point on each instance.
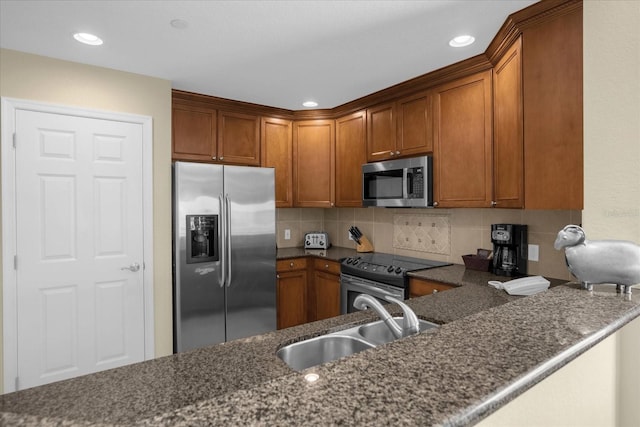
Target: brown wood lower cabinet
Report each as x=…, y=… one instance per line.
x=291, y=291
x=420, y=287
x=325, y=301
x=307, y=290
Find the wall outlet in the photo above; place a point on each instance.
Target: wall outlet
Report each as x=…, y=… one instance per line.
x=534, y=253
x=287, y=234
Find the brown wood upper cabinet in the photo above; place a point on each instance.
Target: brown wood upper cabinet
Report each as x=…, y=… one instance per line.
x=314, y=163
x=508, y=146
x=238, y=138
x=351, y=138
x=400, y=128
x=553, y=119
x=462, y=142
x=277, y=152
x=193, y=133
x=209, y=135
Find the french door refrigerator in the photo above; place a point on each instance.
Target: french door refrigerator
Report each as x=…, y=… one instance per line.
x=224, y=253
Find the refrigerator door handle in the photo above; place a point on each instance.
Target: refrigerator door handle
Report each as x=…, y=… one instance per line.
x=228, y=238
x=222, y=276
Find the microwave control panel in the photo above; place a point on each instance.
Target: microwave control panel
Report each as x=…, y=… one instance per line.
x=415, y=185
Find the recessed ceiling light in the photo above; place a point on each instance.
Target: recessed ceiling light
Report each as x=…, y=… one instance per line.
x=180, y=24
x=462, y=41
x=309, y=104
x=87, y=38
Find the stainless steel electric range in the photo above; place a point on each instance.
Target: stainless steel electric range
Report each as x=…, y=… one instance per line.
x=379, y=275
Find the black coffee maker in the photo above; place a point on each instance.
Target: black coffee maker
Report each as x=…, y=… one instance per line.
x=509, y=249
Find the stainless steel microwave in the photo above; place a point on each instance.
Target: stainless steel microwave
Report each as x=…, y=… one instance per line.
x=398, y=183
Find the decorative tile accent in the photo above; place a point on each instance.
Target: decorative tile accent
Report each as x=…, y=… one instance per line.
x=422, y=232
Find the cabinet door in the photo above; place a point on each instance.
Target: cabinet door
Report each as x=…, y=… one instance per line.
x=462, y=142
x=193, y=133
x=238, y=138
x=327, y=294
x=277, y=152
x=313, y=163
x=351, y=154
x=508, y=161
x=553, y=119
x=381, y=132
x=414, y=125
x=420, y=287
x=291, y=298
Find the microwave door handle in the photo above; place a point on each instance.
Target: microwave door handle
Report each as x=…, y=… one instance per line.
x=405, y=179
x=408, y=178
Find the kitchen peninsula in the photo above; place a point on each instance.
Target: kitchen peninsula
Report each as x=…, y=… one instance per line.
x=486, y=352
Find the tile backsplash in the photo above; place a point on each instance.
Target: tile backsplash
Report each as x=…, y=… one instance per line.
x=437, y=234
x=422, y=232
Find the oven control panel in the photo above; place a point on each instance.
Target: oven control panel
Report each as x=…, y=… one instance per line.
x=359, y=264
x=386, y=268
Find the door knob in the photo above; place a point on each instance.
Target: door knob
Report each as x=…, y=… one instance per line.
x=133, y=267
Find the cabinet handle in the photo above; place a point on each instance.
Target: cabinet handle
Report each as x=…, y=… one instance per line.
x=326, y=266
x=391, y=153
x=494, y=204
x=277, y=276
x=221, y=158
x=291, y=265
x=435, y=204
x=435, y=291
x=213, y=157
x=397, y=153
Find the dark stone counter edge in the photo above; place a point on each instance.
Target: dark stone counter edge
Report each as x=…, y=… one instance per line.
x=500, y=398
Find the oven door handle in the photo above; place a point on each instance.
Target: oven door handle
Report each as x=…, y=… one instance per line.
x=374, y=289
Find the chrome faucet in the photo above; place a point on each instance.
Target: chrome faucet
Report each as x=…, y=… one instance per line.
x=410, y=325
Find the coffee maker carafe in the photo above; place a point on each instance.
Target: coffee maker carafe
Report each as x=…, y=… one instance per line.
x=509, y=249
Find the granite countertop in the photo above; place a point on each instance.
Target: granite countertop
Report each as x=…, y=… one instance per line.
x=489, y=348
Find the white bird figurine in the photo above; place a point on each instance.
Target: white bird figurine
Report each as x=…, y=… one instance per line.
x=600, y=261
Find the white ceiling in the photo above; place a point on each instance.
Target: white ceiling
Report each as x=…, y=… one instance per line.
x=275, y=53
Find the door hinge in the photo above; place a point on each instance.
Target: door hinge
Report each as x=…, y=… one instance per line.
x=15, y=262
x=17, y=384
x=14, y=140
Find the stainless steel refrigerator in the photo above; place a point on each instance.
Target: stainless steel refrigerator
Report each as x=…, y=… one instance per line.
x=224, y=253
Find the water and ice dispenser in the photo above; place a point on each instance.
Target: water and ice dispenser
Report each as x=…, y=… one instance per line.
x=202, y=238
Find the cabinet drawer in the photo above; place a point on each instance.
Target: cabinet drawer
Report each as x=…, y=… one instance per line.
x=419, y=287
x=291, y=264
x=326, y=265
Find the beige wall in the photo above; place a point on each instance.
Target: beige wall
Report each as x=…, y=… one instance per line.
x=469, y=230
x=37, y=78
x=612, y=156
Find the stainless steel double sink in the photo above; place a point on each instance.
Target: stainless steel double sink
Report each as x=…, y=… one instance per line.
x=326, y=348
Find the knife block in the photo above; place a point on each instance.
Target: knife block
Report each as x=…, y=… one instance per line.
x=364, y=246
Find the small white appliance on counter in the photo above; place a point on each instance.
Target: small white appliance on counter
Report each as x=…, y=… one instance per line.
x=316, y=240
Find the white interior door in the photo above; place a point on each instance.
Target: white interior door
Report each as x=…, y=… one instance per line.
x=79, y=245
